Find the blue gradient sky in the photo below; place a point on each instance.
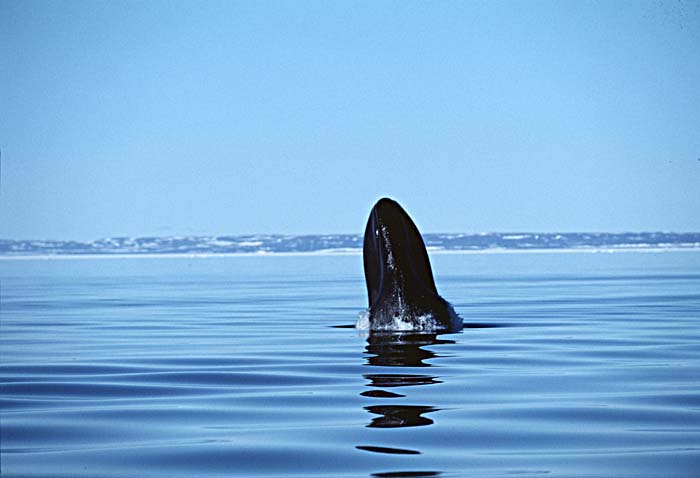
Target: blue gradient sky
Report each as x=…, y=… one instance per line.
x=164, y=118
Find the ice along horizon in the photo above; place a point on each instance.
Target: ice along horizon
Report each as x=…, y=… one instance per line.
x=348, y=243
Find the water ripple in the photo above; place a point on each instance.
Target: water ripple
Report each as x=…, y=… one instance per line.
x=574, y=365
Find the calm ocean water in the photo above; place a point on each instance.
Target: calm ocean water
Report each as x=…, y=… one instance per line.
x=572, y=365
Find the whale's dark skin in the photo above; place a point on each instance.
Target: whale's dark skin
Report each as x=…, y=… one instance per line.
x=399, y=279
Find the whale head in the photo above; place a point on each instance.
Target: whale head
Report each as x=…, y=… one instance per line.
x=400, y=285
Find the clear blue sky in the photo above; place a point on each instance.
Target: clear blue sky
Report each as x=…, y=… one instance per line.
x=165, y=118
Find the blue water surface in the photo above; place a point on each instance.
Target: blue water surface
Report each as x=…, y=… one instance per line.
x=571, y=365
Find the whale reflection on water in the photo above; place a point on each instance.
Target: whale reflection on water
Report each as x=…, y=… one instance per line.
x=402, y=352
x=406, y=474
x=399, y=380
x=399, y=350
x=396, y=416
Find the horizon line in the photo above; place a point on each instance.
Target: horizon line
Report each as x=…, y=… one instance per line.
x=274, y=234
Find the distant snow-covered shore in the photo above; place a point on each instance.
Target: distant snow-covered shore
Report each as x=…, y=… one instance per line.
x=258, y=245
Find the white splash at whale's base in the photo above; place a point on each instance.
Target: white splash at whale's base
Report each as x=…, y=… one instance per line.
x=401, y=323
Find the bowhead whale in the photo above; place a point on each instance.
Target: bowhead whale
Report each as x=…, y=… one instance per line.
x=400, y=284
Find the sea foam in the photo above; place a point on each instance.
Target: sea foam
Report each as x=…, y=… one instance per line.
x=401, y=323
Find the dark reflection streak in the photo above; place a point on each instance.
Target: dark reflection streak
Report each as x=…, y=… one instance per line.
x=384, y=449
x=405, y=474
x=401, y=350
x=381, y=394
x=398, y=380
x=397, y=416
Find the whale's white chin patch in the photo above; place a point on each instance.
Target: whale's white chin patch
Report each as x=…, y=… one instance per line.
x=423, y=323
